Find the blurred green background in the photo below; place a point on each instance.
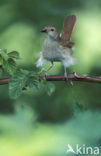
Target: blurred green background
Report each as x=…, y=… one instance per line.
x=37, y=124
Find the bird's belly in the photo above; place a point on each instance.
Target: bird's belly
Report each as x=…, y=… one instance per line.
x=52, y=55
x=52, y=51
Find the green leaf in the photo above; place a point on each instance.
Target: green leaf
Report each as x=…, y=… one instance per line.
x=33, y=74
x=50, y=88
x=16, y=84
x=10, y=66
x=1, y=71
x=4, y=56
x=14, y=54
x=22, y=78
x=1, y=60
x=32, y=83
x=25, y=72
x=5, y=50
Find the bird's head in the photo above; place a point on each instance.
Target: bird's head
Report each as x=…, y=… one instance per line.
x=51, y=31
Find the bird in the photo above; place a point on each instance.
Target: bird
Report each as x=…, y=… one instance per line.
x=58, y=47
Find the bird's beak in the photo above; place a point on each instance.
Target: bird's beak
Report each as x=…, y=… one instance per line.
x=43, y=30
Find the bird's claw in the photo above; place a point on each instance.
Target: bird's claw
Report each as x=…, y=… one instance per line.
x=43, y=73
x=66, y=79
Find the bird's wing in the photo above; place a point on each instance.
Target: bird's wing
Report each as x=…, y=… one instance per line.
x=68, y=44
x=68, y=25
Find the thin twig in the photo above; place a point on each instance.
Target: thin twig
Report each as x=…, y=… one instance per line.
x=71, y=77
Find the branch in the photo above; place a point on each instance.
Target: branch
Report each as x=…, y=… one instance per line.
x=4, y=81
x=71, y=77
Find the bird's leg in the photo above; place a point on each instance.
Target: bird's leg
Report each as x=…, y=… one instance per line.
x=65, y=74
x=48, y=69
x=42, y=71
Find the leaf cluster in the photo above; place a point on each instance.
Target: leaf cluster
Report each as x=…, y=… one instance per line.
x=20, y=79
x=8, y=61
x=24, y=79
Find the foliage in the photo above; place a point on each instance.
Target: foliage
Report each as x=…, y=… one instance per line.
x=24, y=79
x=48, y=86
x=8, y=61
x=20, y=79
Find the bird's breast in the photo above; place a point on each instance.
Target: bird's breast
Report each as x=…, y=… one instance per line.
x=52, y=51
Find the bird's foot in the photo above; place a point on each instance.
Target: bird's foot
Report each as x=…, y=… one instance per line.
x=66, y=79
x=43, y=73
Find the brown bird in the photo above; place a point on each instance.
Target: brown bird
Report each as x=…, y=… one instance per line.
x=58, y=47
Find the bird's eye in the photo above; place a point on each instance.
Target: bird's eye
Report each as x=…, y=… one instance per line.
x=52, y=29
